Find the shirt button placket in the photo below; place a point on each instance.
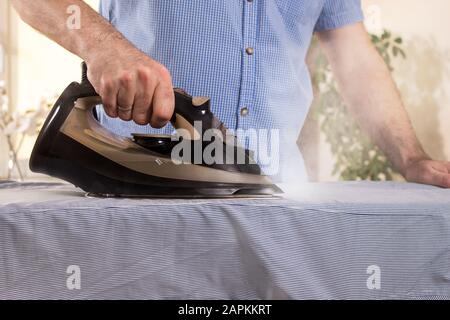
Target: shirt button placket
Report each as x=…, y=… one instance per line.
x=248, y=63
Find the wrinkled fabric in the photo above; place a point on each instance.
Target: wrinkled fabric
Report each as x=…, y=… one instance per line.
x=322, y=241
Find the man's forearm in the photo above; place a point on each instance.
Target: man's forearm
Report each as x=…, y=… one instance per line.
x=50, y=18
x=121, y=74
x=372, y=97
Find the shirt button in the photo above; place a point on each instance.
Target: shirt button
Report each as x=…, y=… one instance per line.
x=244, y=111
x=249, y=51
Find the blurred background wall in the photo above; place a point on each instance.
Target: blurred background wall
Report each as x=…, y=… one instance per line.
x=34, y=67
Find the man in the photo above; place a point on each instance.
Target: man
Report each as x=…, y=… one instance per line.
x=248, y=55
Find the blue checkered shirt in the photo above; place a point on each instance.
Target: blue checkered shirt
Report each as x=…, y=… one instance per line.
x=247, y=55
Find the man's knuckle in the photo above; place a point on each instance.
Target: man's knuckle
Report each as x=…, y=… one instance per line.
x=445, y=180
x=108, y=103
x=144, y=73
x=164, y=73
x=155, y=123
x=125, y=78
x=162, y=114
x=124, y=117
x=141, y=120
x=143, y=79
x=106, y=84
x=111, y=113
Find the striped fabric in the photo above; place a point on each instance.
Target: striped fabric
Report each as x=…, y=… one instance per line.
x=206, y=44
x=323, y=241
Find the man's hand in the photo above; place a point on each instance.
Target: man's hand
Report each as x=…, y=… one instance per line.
x=373, y=99
x=132, y=85
x=429, y=172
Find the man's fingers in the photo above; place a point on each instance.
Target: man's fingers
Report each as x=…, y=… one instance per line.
x=437, y=178
x=125, y=97
x=108, y=91
x=142, y=104
x=447, y=165
x=137, y=88
x=163, y=105
x=143, y=99
x=442, y=174
x=443, y=180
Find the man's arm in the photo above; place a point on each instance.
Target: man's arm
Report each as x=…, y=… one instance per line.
x=373, y=99
x=120, y=73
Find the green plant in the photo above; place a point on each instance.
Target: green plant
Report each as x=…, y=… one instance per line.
x=356, y=156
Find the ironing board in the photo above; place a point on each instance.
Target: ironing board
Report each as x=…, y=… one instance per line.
x=356, y=240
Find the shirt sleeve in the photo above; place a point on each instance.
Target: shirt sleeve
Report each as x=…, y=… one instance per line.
x=338, y=13
x=104, y=8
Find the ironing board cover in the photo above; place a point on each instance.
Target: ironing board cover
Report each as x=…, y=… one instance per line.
x=354, y=240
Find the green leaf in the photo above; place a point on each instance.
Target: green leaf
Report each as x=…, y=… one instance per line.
x=386, y=35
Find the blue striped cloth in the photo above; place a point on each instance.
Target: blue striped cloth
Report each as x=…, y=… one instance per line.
x=205, y=45
x=323, y=241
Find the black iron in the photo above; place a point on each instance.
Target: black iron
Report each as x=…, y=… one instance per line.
x=57, y=154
